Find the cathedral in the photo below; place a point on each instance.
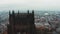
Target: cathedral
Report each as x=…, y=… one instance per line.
x=21, y=23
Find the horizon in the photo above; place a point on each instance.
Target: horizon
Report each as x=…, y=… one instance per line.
x=43, y=5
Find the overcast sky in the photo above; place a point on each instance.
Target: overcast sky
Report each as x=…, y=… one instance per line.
x=52, y=5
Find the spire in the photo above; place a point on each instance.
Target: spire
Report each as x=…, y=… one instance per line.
x=18, y=12
x=28, y=11
x=33, y=16
x=13, y=15
x=9, y=13
x=12, y=11
x=33, y=11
